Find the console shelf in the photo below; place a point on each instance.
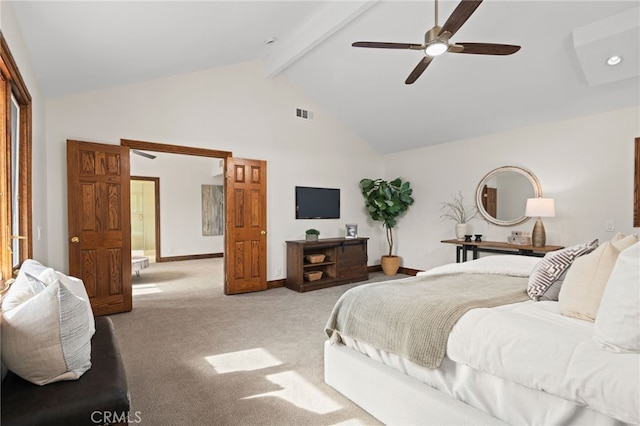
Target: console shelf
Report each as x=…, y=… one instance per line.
x=345, y=262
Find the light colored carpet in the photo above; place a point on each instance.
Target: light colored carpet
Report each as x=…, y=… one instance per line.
x=197, y=357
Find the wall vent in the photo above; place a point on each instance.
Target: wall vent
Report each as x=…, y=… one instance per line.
x=303, y=113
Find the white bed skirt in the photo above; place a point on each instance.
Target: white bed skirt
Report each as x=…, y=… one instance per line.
x=396, y=398
x=392, y=397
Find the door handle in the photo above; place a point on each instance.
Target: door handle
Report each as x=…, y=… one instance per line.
x=75, y=240
x=263, y=232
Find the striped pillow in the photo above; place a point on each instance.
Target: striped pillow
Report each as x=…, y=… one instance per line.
x=552, y=268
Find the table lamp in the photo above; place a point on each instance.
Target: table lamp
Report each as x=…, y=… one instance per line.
x=539, y=207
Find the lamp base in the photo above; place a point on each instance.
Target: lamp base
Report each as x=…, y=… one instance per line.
x=538, y=236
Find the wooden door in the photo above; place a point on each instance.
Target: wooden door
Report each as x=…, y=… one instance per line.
x=490, y=200
x=246, y=226
x=100, y=223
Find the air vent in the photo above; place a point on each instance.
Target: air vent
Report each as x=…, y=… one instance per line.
x=303, y=113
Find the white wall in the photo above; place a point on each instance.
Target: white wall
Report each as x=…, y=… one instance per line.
x=586, y=164
x=233, y=109
x=181, y=178
x=39, y=157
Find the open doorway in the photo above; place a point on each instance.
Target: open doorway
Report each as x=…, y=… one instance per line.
x=244, y=243
x=188, y=206
x=145, y=217
x=168, y=220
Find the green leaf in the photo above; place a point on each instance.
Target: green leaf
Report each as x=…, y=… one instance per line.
x=386, y=201
x=396, y=182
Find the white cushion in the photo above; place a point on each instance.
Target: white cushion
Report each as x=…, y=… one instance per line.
x=617, y=326
x=48, y=337
x=582, y=289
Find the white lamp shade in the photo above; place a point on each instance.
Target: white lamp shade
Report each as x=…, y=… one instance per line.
x=540, y=207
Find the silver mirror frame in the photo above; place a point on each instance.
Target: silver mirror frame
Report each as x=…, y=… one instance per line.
x=537, y=189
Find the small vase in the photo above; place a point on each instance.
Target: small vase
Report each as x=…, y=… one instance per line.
x=311, y=237
x=461, y=231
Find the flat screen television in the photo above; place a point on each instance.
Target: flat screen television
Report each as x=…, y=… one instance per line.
x=317, y=203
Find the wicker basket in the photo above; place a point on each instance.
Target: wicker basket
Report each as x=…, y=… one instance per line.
x=313, y=275
x=315, y=258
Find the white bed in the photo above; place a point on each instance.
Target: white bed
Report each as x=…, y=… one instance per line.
x=521, y=363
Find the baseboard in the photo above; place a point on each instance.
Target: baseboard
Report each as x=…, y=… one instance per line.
x=409, y=271
x=276, y=283
x=402, y=270
x=189, y=257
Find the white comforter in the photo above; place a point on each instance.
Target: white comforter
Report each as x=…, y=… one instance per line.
x=531, y=344
x=508, y=264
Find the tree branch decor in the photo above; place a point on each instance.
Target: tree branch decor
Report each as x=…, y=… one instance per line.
x=456, y=210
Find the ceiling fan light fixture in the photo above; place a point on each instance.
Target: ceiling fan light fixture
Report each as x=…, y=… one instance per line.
x=614, y=60
x=436, y=48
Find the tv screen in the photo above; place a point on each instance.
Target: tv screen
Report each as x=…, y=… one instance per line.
x=317, y=203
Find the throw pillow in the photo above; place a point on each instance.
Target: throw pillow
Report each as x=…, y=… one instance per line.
x=551, y=269
x=47, y=338
x=617, y=326
x=586, y=279
x=50, y=276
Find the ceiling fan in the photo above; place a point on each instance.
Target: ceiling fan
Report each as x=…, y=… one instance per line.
x=436, y=40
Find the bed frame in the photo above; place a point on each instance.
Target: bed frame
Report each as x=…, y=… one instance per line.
x=401, y=400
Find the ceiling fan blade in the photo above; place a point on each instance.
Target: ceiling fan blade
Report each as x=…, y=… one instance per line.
x=487, y=49
x=460, y=15
x=419, y=69
x=384, y=45
x=143, y=154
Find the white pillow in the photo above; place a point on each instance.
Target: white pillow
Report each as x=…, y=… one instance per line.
x=22, y=288
x=47, y=338
x=617, y=326
x=49, y=276
x=582, y=289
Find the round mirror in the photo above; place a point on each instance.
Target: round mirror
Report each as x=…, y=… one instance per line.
x=502, y=195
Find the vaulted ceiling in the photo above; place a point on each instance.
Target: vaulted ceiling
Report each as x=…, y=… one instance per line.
x=560, y=72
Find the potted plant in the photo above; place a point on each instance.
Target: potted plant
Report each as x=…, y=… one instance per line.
x=311, y=234
x=457, y=211
x=386, y=202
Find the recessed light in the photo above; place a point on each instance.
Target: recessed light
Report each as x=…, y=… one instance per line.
x=614, y=60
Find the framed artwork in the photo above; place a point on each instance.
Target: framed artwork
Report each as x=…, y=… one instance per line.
x=351, y=230
x=212, y=210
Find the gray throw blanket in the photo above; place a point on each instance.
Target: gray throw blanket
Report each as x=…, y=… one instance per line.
x=413, y=317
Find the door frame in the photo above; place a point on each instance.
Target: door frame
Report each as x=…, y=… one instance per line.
x=14, y=84
x=184, y=150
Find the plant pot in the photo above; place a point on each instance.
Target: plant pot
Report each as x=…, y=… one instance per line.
x=461, y=231
x=390, y=264
x=311, y=237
